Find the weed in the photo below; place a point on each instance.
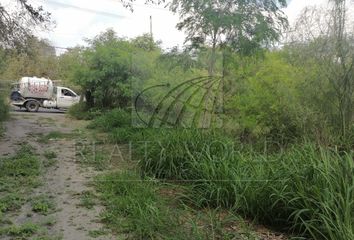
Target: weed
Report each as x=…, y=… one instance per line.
x=81, y=112
x=11, y=202
x=49, y=221
x=42, y=204
x=87, y=200
x=45, y=237
x=24, y=164
x=18, y=174
x=54, y=135
x=97, y=233
x=24, y=231
x=110, y=120
x=50, y=158
x=306, y=190
x=134, y=207
x=50, y=155
x=93, y=157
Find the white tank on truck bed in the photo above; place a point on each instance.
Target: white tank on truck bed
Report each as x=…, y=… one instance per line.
x=33, y=87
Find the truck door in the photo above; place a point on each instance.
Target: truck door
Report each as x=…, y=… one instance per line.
x=66, y=98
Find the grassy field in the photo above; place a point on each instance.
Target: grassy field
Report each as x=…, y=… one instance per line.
x=305, y=191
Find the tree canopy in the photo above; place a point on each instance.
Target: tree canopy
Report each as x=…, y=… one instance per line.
x=243, y=25
x=18, y=21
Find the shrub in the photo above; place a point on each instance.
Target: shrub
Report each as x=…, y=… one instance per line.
x=80, y=111
x=111, y=119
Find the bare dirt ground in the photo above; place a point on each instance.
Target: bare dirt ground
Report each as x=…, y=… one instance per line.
x=64, y=182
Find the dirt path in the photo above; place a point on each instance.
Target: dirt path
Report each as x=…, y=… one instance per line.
x=63, y=183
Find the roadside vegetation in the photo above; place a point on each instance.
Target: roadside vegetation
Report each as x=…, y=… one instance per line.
x=278, y=150
x=18, y=176
x=282, y=158
x=4, y=109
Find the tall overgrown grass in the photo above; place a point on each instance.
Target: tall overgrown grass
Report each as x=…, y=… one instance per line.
x=146, y=215
x=306, y=190
x=116, y=118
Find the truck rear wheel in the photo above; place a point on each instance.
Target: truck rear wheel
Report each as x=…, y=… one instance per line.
x=32, y=106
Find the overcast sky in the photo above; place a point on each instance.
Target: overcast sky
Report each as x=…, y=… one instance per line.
x=79, y=19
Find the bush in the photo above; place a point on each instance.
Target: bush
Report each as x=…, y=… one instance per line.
x=266, y=104
x=80, y=111
x=111, y=119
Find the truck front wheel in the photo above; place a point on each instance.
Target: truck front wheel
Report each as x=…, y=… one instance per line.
x=32, y=106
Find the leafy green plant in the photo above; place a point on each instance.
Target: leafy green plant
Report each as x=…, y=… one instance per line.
x=54, y=135
x=87, y=200
x=24, y=231
x=80, y=111
x=11, y=202
x=24, y=164
x=110, y=120
x=18, y=175
x=97, y=233
x=42, y=204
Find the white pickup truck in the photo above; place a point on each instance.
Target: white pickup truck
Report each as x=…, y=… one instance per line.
x=32, y=93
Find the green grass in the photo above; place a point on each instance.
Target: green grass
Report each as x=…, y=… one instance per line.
x=18, y=175
x=81, y=112
x=134, y=207
x=24, y=231
x=50, y=155
x=94, y=158
x=54, y=135
x=143, y=209
x=43, y=204
x=97, y=233
x=110, y=120
x=50, y=158
x=306, y=190
x=87, y=200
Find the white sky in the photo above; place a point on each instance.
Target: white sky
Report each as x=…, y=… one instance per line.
x=73, y=24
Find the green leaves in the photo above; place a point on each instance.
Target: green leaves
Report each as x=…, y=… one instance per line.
x=239, y=23
x=106, y=72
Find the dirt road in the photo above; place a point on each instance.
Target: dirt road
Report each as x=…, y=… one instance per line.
x=63, y=182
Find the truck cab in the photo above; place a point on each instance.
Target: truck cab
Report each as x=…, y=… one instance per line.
x=63, y=98
x=66, y=97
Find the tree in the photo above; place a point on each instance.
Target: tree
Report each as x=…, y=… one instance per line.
x=242, y=25
x=16, y=25
x=145, y=42
x=105, y=71
x=323, y=43
x=37, y=59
